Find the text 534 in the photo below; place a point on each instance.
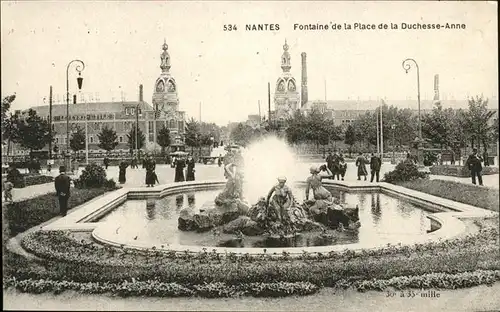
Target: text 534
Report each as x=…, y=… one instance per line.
x=230, y=27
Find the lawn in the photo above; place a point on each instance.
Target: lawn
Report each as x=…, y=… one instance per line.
x=473, y=195
x=23, y=215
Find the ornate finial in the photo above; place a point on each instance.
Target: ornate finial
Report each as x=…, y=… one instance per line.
x=285, y=59
x=285, y=47
x=165, y=58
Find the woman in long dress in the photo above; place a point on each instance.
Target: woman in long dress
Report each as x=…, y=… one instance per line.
x=361, y=162
x=150, y=165
x=190, y=169
x=179, y=170
x=282, y=199
x=122, y=173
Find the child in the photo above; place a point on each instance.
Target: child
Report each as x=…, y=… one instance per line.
x=8, y=186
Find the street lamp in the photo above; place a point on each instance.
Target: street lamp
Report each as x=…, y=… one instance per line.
x=406, y=66
x=393, y=127
x=79, y=68
x=137, y=129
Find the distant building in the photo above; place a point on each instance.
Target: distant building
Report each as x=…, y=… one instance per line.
x=121, y=116
x=254, y=121
x=286, y=96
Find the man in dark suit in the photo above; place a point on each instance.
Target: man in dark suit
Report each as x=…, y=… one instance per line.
x=474, y=165
x=62, y=185
x=375, y=164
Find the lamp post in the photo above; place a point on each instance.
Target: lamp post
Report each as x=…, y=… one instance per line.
x=137, y=130
x=393, y=127
x=79, y=68
x=407, y=66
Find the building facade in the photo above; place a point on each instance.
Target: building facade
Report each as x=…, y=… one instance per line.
x=120, y=116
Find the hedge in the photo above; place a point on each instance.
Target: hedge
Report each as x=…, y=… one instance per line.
x=459, y=171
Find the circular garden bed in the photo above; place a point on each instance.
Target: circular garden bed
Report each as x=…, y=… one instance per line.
x=72, y=261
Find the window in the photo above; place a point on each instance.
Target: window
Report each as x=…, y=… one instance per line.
x=150, y=127
x=91, y=139
x=57, y=140
x=120, y=139
x=132, y=111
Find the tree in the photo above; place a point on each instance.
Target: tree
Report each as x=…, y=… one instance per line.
x=477, y=121
x=6, y=103
x=108, y=139
x=242, y=134
x=34, y=132
x=141, y=138
x=77, y=141
x=10, y=123
x=350, y=138
x=193, y=134
x=438, y=126
x=294, y=132
x=163, y=139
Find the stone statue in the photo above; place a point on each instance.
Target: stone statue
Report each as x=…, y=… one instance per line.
x=282, y=199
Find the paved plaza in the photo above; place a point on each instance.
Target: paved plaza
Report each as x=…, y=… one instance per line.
x=136, y=177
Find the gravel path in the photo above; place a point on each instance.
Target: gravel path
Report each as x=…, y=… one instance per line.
x=481, y=298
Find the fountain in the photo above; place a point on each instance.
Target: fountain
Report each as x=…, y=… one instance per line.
x=252, y=174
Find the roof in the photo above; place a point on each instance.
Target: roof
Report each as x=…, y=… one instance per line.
x=365, y=105
x=81, y=108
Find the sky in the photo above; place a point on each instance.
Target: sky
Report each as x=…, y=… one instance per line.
x=228, y=71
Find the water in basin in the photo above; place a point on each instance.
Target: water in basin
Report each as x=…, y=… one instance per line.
x=384, y=219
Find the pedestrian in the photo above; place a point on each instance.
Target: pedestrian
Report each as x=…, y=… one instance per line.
x=485, y=157
x=343, y=166
x=190, y=169
x=474, y=165
x=375, y=164
x=180, y=164
x=123, y=171
x=337, y=170
x=151, y=177
x=62, y=185
x=7, y=188
x=361, y=162
x=106, y=162
x=329, y=163
x=14, y=175
x=219, y=161
x=133, y=163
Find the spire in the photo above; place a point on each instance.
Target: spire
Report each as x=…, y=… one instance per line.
x=285, y=59
x=165, y=58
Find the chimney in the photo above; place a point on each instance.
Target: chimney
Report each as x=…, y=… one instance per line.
x=141, y=98
x=436, y=87
x=303, y=95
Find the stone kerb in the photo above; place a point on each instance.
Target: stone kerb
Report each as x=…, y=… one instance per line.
x=448, y=223
x=82, y=217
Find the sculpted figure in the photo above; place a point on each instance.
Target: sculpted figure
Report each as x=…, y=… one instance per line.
x=282, y=199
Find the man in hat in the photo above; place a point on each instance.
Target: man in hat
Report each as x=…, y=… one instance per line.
x=474, y=165
x=62, y=185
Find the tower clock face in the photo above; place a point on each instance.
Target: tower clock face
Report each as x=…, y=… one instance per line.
x=160, y=86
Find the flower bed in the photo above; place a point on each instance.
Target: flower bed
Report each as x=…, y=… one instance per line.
x=464, y=193
x=22, y=215
x=67, y=260
x=459, y=171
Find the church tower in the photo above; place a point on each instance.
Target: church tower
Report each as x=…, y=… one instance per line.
x=166, y=102
x=286, y=97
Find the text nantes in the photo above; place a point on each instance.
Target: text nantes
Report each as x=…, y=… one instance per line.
x=262, y=27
